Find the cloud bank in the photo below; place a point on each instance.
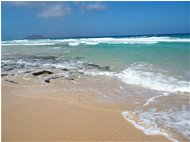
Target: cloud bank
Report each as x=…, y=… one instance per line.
x=56, y=10
x=50, y=9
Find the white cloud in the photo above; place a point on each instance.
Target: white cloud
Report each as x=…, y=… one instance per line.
x=56, y=10
x=90, y=6
x=49, y=9
x=95, y=6
x=21, y=3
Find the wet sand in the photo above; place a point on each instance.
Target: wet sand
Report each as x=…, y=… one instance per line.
x=42, y=118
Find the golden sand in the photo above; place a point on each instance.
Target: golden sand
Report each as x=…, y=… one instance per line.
x=45, y=119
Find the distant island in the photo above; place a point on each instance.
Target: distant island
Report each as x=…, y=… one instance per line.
x=35, y=37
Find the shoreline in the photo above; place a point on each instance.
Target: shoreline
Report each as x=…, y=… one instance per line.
x=47, y=119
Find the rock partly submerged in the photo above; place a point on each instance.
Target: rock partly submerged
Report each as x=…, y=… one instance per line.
x=11, y=81
x=65, y=69
x=4, y=74
x=44, y=72
x=94, y=66
x=69, y=73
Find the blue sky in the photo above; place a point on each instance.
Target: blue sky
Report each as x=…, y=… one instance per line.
x=67, y=19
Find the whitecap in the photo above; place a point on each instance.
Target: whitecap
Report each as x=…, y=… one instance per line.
x=94, y=41
x=140, y=74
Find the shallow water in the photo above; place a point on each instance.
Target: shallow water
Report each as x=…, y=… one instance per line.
x=152, y=72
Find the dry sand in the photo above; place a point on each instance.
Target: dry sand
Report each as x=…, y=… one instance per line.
x=44, y=119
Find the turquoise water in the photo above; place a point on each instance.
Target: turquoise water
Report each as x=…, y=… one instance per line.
x=160, y=64
x=172, y=56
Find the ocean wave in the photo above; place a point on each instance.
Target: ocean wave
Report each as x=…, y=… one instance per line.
x=95, y=41
x=165, y=123
x=144, y=75
x=148, y=76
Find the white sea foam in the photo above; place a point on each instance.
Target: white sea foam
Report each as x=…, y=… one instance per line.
x=138, y=74
x=26, y=63
x=68, y=65
x=94, y=41
x=73, y=43
x=144, y=75
x=148, y=130
x=155, y=97
x=27, y=42
x=100, y=73
x=167, y=123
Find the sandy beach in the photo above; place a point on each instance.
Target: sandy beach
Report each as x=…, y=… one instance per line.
x=95, y=71
x=32, y=118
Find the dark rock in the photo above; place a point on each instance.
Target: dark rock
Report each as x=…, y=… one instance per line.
x=36, y=57
x=42, y=72
x=93, y=65
x=47, y=80
x=107, y=68
x=70, y=78
x=65, y=69
x=8, y=69
x=4, y=74
x=81, y=72
x=11, y=81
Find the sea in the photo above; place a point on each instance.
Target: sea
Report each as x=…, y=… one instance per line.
x=150, y=72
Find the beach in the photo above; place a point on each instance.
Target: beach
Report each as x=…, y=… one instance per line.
x=96, y=89
x=95, y=71
x=31, y=118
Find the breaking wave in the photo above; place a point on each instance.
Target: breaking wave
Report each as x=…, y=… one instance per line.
x=95, y=41
x=148, y=76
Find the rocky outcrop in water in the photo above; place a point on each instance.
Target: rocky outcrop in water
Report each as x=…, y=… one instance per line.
x=94, y=66
x=4, y=74
x=65, y=69
x=11, y=81
x=42, y=73
x=48, y=67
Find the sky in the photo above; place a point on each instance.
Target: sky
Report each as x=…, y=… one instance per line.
x=78, y=19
